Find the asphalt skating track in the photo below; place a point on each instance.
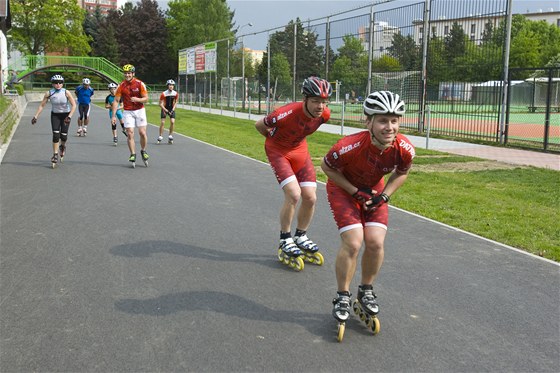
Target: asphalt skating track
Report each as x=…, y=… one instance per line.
x=105, y=268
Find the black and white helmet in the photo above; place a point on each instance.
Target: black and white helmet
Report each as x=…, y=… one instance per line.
x=57, y=78
x=86, y=81
x=112, y=85
x=170, y=82
x=383, y=102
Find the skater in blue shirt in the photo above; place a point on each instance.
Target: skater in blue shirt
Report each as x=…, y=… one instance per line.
x=83, y=93
x=108, y=105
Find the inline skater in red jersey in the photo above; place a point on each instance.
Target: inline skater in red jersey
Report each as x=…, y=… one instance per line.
x=286, y=130
x=358, y=196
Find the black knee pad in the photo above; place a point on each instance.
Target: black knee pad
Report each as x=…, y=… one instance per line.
x=64, y=136
x=114, y=126
x=55, y=137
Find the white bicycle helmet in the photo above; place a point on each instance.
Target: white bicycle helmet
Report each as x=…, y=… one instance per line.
x=57, y=78
x=170, y=82
x=86, y=81
x=112, y=85
x=383, y=102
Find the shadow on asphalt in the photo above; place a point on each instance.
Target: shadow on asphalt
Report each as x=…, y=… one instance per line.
x=320, y=324
x=146, y=249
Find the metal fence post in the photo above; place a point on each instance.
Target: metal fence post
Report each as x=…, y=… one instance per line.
x=506, y=72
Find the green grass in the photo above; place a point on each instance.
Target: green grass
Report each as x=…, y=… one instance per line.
x=518, y=207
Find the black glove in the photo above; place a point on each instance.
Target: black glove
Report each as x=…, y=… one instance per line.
x=33, y=120
x=377, y=201
x=67, y=120
x=363, y=195
x=171, y=112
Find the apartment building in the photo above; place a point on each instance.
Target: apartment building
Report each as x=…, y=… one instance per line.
x=104, y=5
x=474, y=25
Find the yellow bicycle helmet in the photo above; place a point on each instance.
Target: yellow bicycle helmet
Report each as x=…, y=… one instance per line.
x=128, y=68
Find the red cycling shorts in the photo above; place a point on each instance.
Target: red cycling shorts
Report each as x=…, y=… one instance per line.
x=349, y=214
x=291, y=164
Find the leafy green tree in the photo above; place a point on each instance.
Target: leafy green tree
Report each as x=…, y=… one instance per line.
x=351, y=65
x=106, y=44
x=92, y=26
x=386, y=63
x=405, y=50
x=280, y=73
x=437, y=68
x=41, y=26
x=193, y=22
x=310, y=56
x=142, y=40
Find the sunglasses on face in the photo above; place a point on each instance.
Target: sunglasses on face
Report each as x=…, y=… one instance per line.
x=57, y=82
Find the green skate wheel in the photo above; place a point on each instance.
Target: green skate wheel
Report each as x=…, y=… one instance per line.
x=280, y=255
x=341, y=329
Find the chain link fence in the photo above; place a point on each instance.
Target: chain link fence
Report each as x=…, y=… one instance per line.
x=444, y=58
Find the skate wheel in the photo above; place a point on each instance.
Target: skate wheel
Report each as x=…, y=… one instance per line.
x=133, y=165
x=297, y=263
x=62, y=160
x=53, y=165
x=357, y=309
x=146, y=163
x=341, y=329
x=280, y=255
x=375, y=325
x=319, y=260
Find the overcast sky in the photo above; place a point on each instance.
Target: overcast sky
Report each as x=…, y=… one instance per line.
x=270, y=14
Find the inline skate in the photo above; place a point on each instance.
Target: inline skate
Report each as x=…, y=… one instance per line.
x=54, y=160
x=132, y=160
x=310, y=250
x=170, y=140
x=366, y=308
x=62, y=151
x=341, y=312
x=159, y=139
x=290, y=255
x=115, y=141
x=145, y=157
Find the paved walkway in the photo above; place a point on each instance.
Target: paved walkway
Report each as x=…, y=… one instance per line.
x=173, y=268
x=506, y=155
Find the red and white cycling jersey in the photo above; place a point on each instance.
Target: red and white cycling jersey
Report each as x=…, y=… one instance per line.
x=290, y=125
x=363, y=164
x=169, y=98
x=127, y=90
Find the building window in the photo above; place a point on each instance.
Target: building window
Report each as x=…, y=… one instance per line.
x=421, y=30
x=473, y=28
x=446, y=30
x=434, y=30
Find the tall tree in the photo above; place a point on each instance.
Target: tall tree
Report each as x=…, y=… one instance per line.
x=193, y=22
x=92, y=26
x=405, y=50
x=142, y=39
x=40, y=26
x=351, y=66
x=310, y=56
